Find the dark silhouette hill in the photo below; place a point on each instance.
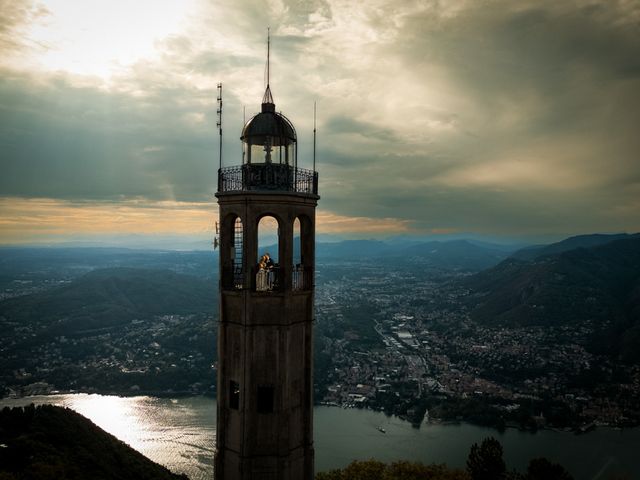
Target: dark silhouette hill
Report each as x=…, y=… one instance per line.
x=107, y=297
x=571, y=243
x=48, y=442
x=596, y=288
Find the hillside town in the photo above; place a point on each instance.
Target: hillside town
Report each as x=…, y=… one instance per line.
x=166, y=355
x=415, y=346
x=392, y=336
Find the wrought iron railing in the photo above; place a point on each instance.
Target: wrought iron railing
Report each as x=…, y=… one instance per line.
x=232, y=278
x=267, y=176
x=267, y=280
x=301, y=278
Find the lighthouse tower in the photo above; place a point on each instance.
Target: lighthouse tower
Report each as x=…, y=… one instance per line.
x=265, y=334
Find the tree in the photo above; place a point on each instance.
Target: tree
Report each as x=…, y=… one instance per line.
x=375, y=470
x=485, y=461
x=357, y=470
x=418, y=471
x=543, y=469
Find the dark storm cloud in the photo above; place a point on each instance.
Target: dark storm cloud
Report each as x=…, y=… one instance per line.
x=546, y=129
x=341, y=125
x=70, y=142
x=547, y=68
x=489, y=116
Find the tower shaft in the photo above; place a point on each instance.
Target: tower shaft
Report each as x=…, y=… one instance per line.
x=265, y=340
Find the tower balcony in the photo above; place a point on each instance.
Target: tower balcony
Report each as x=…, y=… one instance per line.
x=269, y=177
x=267, y=281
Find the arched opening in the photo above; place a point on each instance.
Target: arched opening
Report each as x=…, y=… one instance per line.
x=238, y=249
x=305, y=244
x=232, y=266
x=268, y=270
x=297, y=270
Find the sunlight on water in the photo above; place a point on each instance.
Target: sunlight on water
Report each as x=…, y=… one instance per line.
x=118, y=416
x=180, y=434
x=176, y=433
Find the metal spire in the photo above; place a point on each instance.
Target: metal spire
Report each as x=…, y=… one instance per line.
x=267, y=99
x=219, y=123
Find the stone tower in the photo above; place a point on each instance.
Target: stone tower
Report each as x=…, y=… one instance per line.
x=265, y=334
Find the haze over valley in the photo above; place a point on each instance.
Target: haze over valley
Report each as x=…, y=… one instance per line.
x=452, y=329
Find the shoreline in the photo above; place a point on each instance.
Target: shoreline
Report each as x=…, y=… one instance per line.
x=576, y=430
x=343, y=435
x=127, y=393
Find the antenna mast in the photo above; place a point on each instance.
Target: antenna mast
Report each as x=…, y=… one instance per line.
x=314, y=136
x=219, y=123
x=268, y=52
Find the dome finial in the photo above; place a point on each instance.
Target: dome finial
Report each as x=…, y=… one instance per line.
x=267, y=100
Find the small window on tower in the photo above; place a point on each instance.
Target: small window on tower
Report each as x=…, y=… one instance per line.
x=234, y=395
x=265, y=399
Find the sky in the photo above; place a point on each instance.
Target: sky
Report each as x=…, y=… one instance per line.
x=503, y=119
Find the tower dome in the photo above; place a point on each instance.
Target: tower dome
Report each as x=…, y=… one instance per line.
x=269, y=136
x=269, y=154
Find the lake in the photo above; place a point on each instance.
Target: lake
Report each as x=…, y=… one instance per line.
x=180, y=434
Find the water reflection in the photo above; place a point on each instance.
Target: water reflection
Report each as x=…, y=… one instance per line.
x=180, y=434
x=176, y=433
x=121, y=417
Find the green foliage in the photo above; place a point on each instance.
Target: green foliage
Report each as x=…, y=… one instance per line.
x=476, y=410
x=357, y=470
x=361, y=326
x=418, y=471
x=111, y=296
x=485, y=461
x=375, y=470
x=543, y=469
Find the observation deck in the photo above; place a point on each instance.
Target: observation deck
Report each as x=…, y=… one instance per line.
x=267, y=177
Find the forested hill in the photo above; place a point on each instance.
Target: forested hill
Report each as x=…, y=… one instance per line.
x=107, y=297
x=596, y=288
x=48, y=442
x=112, y=330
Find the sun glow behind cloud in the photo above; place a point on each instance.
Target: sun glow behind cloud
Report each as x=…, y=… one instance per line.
x=38, y=220
x=495, y=117
x=29, y=219
x=101, y=37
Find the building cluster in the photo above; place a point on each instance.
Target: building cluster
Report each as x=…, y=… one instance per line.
x=157, y=355
x=393, y=336
x=426, y=345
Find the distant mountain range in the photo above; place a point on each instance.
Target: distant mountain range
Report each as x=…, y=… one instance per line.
x=66, y=262
x=451, y=254
x=591, y=281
